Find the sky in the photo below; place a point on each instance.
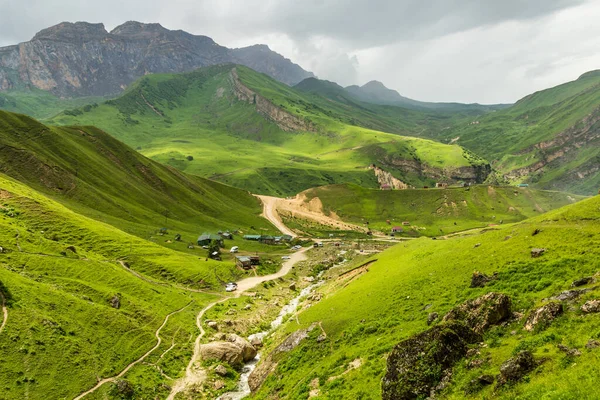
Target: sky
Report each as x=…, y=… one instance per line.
x=484, y=51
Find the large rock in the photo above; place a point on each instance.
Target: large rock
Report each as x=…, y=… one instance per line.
x=543, y=316
x=515, y=368
x=416, y=365
x=234, y=351
x=591, y=306
x=268, y=365
x=483, y=312
x=582, y=281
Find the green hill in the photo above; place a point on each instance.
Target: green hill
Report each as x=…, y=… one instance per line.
x=366, y=312
x=86, y=273
x=435, y=212
x=250, y=131
x=549, y=139
x=95, y=174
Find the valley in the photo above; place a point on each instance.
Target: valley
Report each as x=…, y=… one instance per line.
x=183, y=220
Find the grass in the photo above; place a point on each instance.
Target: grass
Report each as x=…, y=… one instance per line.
x=365, y=317
x=435, y=212
x=194, y=123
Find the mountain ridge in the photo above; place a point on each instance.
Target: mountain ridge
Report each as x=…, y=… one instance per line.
x=84, y=59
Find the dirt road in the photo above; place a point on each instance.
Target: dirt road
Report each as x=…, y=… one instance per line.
x=299, y=206
x=270, y=213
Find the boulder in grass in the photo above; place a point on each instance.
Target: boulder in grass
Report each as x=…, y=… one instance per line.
x=543, y=316
x=515, y=368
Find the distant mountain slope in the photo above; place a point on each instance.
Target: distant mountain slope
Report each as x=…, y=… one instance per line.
x=248, y=130
x=375, y=92
x=550, y=139
x=83, y=59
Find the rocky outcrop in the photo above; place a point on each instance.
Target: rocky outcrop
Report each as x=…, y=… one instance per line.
x=421, y=365
x=543, y=316
x=483, y=312
x=591, y=306
x=562, y=148
x=234, y=351
x=268, y=365
x=515, y=368
x=283, y=119
x=479, y=279
x=386, y=179
x=78, y=59
x=414, y=366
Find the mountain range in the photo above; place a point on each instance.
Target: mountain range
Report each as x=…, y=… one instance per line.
x=84, y=59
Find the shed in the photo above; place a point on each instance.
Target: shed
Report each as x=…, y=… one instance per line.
x=266, y=239
x=523, y=185
x=254, y=260
x=406, y=223
x=243, y=262
x=252, y=237
x=227, y=235
x=397, y=229
x=206, y=239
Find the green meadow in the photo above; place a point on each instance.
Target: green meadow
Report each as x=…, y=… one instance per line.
x=436, y=212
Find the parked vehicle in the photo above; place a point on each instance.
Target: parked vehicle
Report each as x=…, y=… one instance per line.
x=234, y=249
x=286, y=257
x=230, y=287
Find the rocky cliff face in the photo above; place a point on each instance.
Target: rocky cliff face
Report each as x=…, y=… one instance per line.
x=565, y=147
x=79, y=59
x=387, y=179
x=283, y=119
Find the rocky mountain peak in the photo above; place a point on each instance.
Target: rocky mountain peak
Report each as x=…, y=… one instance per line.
x=72, y=32
x=133, y=29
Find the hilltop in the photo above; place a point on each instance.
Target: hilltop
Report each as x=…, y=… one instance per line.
x=218, y=114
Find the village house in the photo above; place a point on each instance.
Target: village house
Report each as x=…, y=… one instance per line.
x=252, y=237
x=397, y=229
x=243, y=262
x=441, y=185
x=206, y=239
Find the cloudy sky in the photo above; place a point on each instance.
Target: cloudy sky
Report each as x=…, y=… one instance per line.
x=485, y=51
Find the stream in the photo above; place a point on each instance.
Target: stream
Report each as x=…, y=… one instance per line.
x=243, y=389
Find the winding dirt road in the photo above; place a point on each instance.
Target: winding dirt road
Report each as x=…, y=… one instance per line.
x=300, y=207
x=194, y=374
x=130, y=365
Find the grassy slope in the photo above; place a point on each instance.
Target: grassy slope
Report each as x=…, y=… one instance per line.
x=502, y=136
x=196, y=115
x=62, y=332
x=366, y=318
x=439, y=211
x=98, y=176
x=40, y=104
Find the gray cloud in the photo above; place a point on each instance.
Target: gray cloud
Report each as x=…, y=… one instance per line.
x=462, y=50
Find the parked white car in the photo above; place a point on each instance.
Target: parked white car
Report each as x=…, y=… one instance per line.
x=230, y=287
x=285, y=257
x=234, y=249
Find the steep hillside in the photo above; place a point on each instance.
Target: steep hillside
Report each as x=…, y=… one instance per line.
x=435, y=212
x=365, y=312
x=93, y=173
x=243, y=128
x=550, y=138
x=83, y=59
x=75, y=313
